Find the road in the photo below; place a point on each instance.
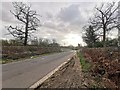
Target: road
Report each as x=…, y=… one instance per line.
x=25, y=73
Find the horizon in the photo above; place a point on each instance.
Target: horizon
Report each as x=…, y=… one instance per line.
x=57, y=21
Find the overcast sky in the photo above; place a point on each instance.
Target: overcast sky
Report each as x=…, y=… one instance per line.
x=62, y=21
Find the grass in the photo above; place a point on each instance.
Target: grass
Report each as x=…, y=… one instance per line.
x=85, y=64
x=4, y=61
x=95, y=86
x=0, y=61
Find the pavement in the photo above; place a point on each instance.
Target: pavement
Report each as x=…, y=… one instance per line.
x=25, y=73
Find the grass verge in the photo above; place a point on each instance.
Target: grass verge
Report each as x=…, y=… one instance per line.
x=93, y=83
x=84, y=63
x=4, y=61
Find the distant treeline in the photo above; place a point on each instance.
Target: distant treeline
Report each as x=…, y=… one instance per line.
x=14, y=49
x=35, y=42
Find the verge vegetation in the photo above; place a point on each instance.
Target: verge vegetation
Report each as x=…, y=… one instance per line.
x=101, y=67
x=84, y=63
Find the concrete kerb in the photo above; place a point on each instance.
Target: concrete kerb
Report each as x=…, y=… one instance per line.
x=39, y=82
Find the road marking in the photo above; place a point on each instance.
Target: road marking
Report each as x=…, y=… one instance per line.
x=38, y=83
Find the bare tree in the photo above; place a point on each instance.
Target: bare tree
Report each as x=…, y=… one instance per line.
x=119, y=27
x=105, y=19
x=29, y=21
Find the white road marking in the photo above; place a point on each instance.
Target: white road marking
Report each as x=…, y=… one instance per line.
x=35, y=85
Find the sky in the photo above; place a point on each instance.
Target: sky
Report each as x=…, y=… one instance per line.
x=62, y=21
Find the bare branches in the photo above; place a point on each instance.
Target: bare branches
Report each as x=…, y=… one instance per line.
x=105, y=18
x=105, y=15
x=27, y=17
x=16, y=32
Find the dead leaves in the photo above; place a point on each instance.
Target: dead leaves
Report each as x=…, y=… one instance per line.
x=106, y=63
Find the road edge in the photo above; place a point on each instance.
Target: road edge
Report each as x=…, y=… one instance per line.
x=39, y=82
x=27, y=59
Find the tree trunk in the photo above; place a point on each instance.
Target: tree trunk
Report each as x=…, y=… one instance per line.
x=26, y=36
x=26, y=31
x=104, y=36
x=118, y=43
x=118, y=39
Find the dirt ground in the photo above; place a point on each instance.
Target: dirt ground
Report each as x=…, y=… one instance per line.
x=104, y=71
x=68, y=76
x=105, y=66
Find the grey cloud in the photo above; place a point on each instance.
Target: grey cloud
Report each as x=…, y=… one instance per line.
x=56, y=26
x=69, y=13
x=7, y=16
x=49, y=15
x=49, y=24
x=77, y=13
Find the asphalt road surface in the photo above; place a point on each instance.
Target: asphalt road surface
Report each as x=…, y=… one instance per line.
x=23, y=74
